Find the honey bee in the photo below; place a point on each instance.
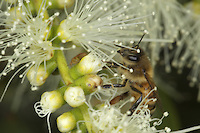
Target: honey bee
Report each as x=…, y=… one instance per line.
x=138, y=78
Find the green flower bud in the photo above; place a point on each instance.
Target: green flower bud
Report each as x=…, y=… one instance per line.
x=89, y=83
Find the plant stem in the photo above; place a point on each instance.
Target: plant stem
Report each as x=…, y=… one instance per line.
x=84, y=110
x=63, y=67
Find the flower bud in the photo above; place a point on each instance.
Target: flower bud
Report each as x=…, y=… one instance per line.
x=38, y=76
x=66, y=122
x=88, y=64
x=74, y=96
x=51, y=101
x=64, y=34
x=89, y=83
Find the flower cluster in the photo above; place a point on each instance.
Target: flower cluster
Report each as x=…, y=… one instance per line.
x=109, y=118
x=72, y=94
x=29, y=32
x=24, y=39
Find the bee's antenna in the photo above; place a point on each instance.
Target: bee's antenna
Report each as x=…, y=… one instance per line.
x=137, y=46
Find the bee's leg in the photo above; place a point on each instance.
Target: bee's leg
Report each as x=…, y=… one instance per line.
x=139, y=100
x=115, y=85
x=111, y=64
x=135, y=105
x=119, y=98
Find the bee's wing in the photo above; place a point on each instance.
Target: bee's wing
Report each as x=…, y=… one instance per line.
x=153, y=85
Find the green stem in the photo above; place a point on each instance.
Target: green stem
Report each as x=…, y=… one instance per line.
x=74, y=72
x=61, y=90
x=79, y=117
x=51, y=66
x=63, y=67
x=84, y=111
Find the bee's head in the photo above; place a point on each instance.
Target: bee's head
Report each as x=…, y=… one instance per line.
x=133, y=56
x=136, y=60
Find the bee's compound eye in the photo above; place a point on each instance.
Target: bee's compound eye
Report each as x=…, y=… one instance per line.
x=133, y=58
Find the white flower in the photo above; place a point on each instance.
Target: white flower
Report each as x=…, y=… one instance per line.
x=109, y=118
x=24, y=39
x=98, y=24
